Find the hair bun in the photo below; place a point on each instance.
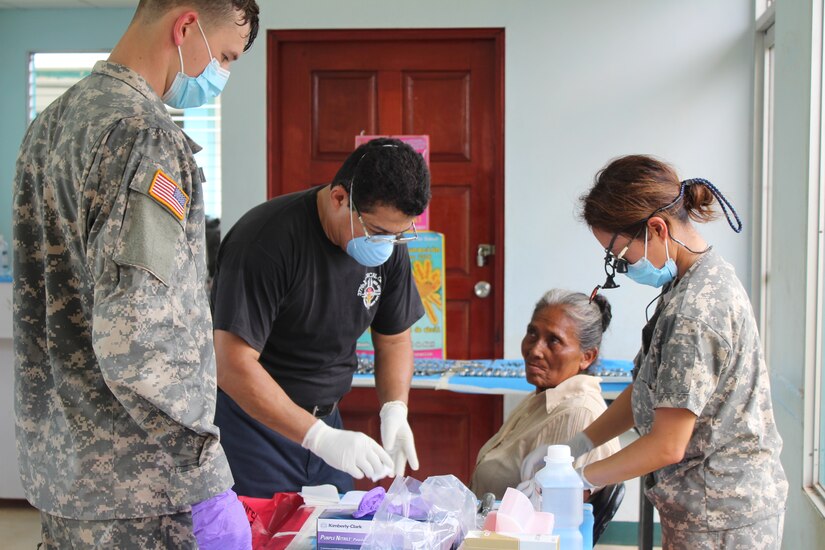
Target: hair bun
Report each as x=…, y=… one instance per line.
x=698, y=201
x=604, y=307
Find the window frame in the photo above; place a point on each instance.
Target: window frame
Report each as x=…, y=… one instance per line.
x=209, y=136
x=813, y=472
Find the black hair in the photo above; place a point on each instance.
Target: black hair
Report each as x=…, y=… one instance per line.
x=386, y=172
x=211, y=10
x=606, y=310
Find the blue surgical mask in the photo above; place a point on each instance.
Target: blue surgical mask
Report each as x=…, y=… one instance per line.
x=645, y=273
x=369, y=253
x=187, y=92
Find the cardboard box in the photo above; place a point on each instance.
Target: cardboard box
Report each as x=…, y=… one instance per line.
x=338, y=530
x=488, y=540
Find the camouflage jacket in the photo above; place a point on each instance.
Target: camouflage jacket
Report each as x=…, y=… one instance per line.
x=701, y=352
x=115, y=382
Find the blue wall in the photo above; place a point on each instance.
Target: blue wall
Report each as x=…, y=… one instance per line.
x=23, y=32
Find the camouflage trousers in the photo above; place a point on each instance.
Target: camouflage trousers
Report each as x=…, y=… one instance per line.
x=155, y=533
x=762, y=535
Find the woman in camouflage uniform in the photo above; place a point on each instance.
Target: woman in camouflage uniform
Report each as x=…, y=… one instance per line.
x=700, y=399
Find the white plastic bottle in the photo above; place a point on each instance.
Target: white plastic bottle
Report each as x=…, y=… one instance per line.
x=562, y=495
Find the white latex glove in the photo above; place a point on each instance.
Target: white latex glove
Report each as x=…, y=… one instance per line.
x=579, y=444
x=353, y=452
x=587, y=485
x=397, y=436
x=533, y=462
x=530, y=490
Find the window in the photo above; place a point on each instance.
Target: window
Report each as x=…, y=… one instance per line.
x=763, y=171
x=763, y=6
x=51, y=74
x=814, y=471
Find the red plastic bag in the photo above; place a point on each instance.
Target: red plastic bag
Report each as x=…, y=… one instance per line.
x=275, y=521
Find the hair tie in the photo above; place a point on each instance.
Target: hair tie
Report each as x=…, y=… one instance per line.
x=724, y=203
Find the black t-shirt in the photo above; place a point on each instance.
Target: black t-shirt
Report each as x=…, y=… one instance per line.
x=301, y=301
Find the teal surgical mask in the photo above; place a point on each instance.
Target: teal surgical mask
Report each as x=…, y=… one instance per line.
x=645, y=273
x=187, y=92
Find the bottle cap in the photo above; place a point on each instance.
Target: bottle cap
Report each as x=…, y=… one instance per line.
x=558, y=453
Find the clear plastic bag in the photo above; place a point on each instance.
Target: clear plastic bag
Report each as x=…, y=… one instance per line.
x=433, y=515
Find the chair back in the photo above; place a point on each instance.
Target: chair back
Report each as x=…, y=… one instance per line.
x=605, y=503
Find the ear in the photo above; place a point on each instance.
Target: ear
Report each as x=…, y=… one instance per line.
x=587, y=358
x=339, y=196
x=183, y=26
x=657, y=226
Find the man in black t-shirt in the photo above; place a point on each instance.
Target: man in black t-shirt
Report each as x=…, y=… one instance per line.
x=299, y=279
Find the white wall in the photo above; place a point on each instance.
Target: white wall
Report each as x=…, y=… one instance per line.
x=586, y=80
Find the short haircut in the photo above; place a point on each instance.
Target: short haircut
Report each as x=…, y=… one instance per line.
x=212, y=10
x=386, y=172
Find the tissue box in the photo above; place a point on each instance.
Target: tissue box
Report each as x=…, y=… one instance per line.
x=338, y=530
x=487, y=540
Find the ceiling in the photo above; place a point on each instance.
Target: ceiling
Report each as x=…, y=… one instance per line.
x=68, y=3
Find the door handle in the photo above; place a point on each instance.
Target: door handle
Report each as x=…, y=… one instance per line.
x=482, y=252
x=482, y=289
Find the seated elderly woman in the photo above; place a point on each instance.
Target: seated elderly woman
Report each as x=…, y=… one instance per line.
x=562, y=341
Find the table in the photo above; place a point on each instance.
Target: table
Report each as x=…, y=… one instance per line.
x=472, y=407
x=492, y=376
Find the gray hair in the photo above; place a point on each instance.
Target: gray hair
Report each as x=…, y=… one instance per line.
x=591, y=318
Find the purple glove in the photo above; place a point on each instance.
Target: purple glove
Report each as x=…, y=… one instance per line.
x=220, y=523
x=370, y=502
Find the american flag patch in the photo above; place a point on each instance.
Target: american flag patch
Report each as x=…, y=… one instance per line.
x=169, y=194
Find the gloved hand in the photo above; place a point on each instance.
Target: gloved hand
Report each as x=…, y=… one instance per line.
x=397, y=436
x=533, y=462
x=531, y=491
x=220, y=523
x=353, y=452
x=587, y=485
x=579, y=444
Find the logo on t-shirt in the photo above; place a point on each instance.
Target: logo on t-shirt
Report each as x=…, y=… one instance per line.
x=370, y=289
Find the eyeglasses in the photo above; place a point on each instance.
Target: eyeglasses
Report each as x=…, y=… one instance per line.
x=614, y=264
x=617, y=264
x=396, y=239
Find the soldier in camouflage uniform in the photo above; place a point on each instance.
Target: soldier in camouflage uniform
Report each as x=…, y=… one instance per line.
x=700, y=399
x=114, y=364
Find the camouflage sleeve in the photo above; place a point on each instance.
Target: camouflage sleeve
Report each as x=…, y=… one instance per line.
x=151, y=330
x=693, y=356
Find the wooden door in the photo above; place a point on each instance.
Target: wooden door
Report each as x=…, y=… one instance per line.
x=324, y=87
x=449, y=428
